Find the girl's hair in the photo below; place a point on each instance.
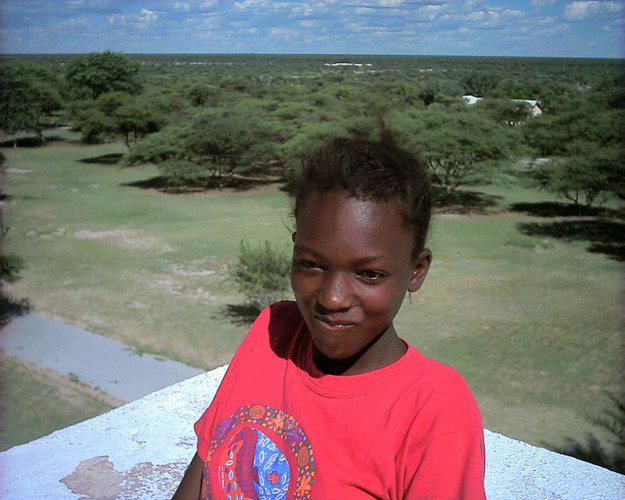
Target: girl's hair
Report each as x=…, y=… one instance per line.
x=370, y=171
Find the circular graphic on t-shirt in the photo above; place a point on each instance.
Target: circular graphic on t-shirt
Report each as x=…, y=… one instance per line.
x=258, y=453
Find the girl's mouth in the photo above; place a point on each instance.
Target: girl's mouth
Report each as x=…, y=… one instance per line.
x=333, y=325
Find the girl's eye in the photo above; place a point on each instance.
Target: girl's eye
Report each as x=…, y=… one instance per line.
x=306, y=264
x=372, y=276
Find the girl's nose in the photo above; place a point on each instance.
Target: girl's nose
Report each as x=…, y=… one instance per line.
x=335, y=293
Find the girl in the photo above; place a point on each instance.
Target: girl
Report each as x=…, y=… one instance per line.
x=323, y=399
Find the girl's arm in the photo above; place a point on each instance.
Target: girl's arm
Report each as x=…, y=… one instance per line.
x=189, y=488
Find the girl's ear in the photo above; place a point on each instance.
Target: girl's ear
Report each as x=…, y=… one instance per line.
x=420, y=267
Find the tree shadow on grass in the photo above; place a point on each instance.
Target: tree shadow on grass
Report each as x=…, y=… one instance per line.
x=241, y=314
x=31, y=141
x=463, y=202
x=606, y=236
x=593, y=450
x=554, y=209
x=108, y=159
x=10, y=308
x=161, y=183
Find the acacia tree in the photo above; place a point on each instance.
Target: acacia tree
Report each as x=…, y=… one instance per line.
x=90, y=75
x=507, y=111
x=214, y=146
x=584, y=138
x=586, y=177
x=121, y=115
x=460, y=147
x=28, y=94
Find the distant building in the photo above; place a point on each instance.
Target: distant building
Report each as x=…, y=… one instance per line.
x=534, y=106
x=471, y=99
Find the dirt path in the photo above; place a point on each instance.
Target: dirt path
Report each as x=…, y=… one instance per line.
x=96, y=361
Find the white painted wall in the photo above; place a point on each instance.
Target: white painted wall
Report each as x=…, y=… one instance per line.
x=140, y=451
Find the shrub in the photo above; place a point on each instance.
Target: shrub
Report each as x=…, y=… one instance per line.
x=262, y=273
x=10, y=267
x=184, y=173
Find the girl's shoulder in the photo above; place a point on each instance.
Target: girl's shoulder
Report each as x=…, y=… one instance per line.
x=439, y=389
x=423, y=372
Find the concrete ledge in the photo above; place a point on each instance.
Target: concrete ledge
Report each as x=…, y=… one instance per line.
x=140, y=451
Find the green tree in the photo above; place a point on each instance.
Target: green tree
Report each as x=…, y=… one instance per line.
x=589, y=175
x=460, y=148
x=11, y=266
x=479, y=82
x=28, y=94
x=506, y=111
x=578, y=120
x=90, y=75
x=119, y=114
x=435, y=89
x=584, y=137
x=93, y=124
x=214, y=146
x=201, y=94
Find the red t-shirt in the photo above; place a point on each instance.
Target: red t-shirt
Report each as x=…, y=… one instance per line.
x=279, y=428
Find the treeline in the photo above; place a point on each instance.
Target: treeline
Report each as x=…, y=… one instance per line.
x=207, y=120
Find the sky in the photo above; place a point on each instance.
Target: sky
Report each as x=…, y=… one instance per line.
x=540, y=28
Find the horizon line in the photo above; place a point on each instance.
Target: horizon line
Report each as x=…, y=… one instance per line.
x=353, y=54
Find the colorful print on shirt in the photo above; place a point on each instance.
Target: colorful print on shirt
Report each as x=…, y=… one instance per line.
x=258, y=453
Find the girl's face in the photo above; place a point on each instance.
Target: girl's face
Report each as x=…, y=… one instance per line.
x=352, y=265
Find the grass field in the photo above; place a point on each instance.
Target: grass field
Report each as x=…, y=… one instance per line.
x=533, y=322
x=36, y=401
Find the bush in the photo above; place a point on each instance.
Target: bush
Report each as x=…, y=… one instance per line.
x=10, y=267
x=184, y=173
x=262, y=273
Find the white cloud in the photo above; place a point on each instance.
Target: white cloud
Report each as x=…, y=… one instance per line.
x=284, y=33
x=390, y=3
x=183, y=6
x=254, y=4
x=356, y=27
x=384, y=26
x=544, y=3
x=301, y=9
x=142, y=18
x=554, y=31
x=587, y=10
x=493, y=18
x=545, y=20
x=211, y=22
x=74, y=22
x=431, y=12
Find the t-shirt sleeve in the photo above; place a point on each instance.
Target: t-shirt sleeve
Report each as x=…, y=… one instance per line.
x=446, y=462
x=205, y=426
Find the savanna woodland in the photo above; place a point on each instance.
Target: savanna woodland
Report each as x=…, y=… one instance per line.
x=145, y=199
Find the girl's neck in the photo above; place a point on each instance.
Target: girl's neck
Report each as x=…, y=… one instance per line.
x=382, y=351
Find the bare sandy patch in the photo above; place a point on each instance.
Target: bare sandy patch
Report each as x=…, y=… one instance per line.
x=12, y=170
x=129, y=239
x=183, y=288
